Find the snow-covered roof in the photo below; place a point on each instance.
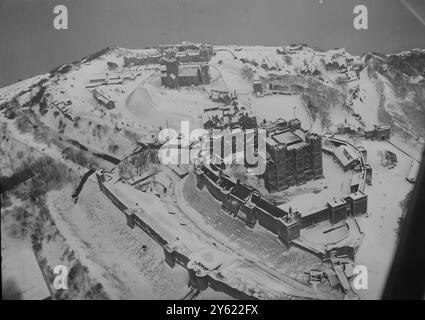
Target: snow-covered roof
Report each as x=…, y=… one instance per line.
x=345, y=155
x=287, y=137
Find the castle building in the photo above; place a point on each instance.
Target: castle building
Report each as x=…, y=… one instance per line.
x=294, y=156
x=246, y=203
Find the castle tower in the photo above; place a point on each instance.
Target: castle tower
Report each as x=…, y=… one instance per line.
x=337, y=210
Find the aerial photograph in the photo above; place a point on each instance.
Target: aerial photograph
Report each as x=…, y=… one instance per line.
x=212, y=150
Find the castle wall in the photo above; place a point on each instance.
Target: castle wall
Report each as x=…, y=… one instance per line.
x=214, y=189
x=268, y=221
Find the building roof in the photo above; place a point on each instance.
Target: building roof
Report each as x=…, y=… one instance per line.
x=287, y=138
x=336, y=203
x=342, y=156
x=357, y=195
x=188, y=71
x=300, y=133
x=351, y=152
x=270, y=141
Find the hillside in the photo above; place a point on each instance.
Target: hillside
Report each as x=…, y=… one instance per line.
x=332, y=85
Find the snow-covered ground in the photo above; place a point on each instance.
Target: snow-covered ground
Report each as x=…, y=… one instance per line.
x=368, y=102
x=279, y=106
x=389, y=188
